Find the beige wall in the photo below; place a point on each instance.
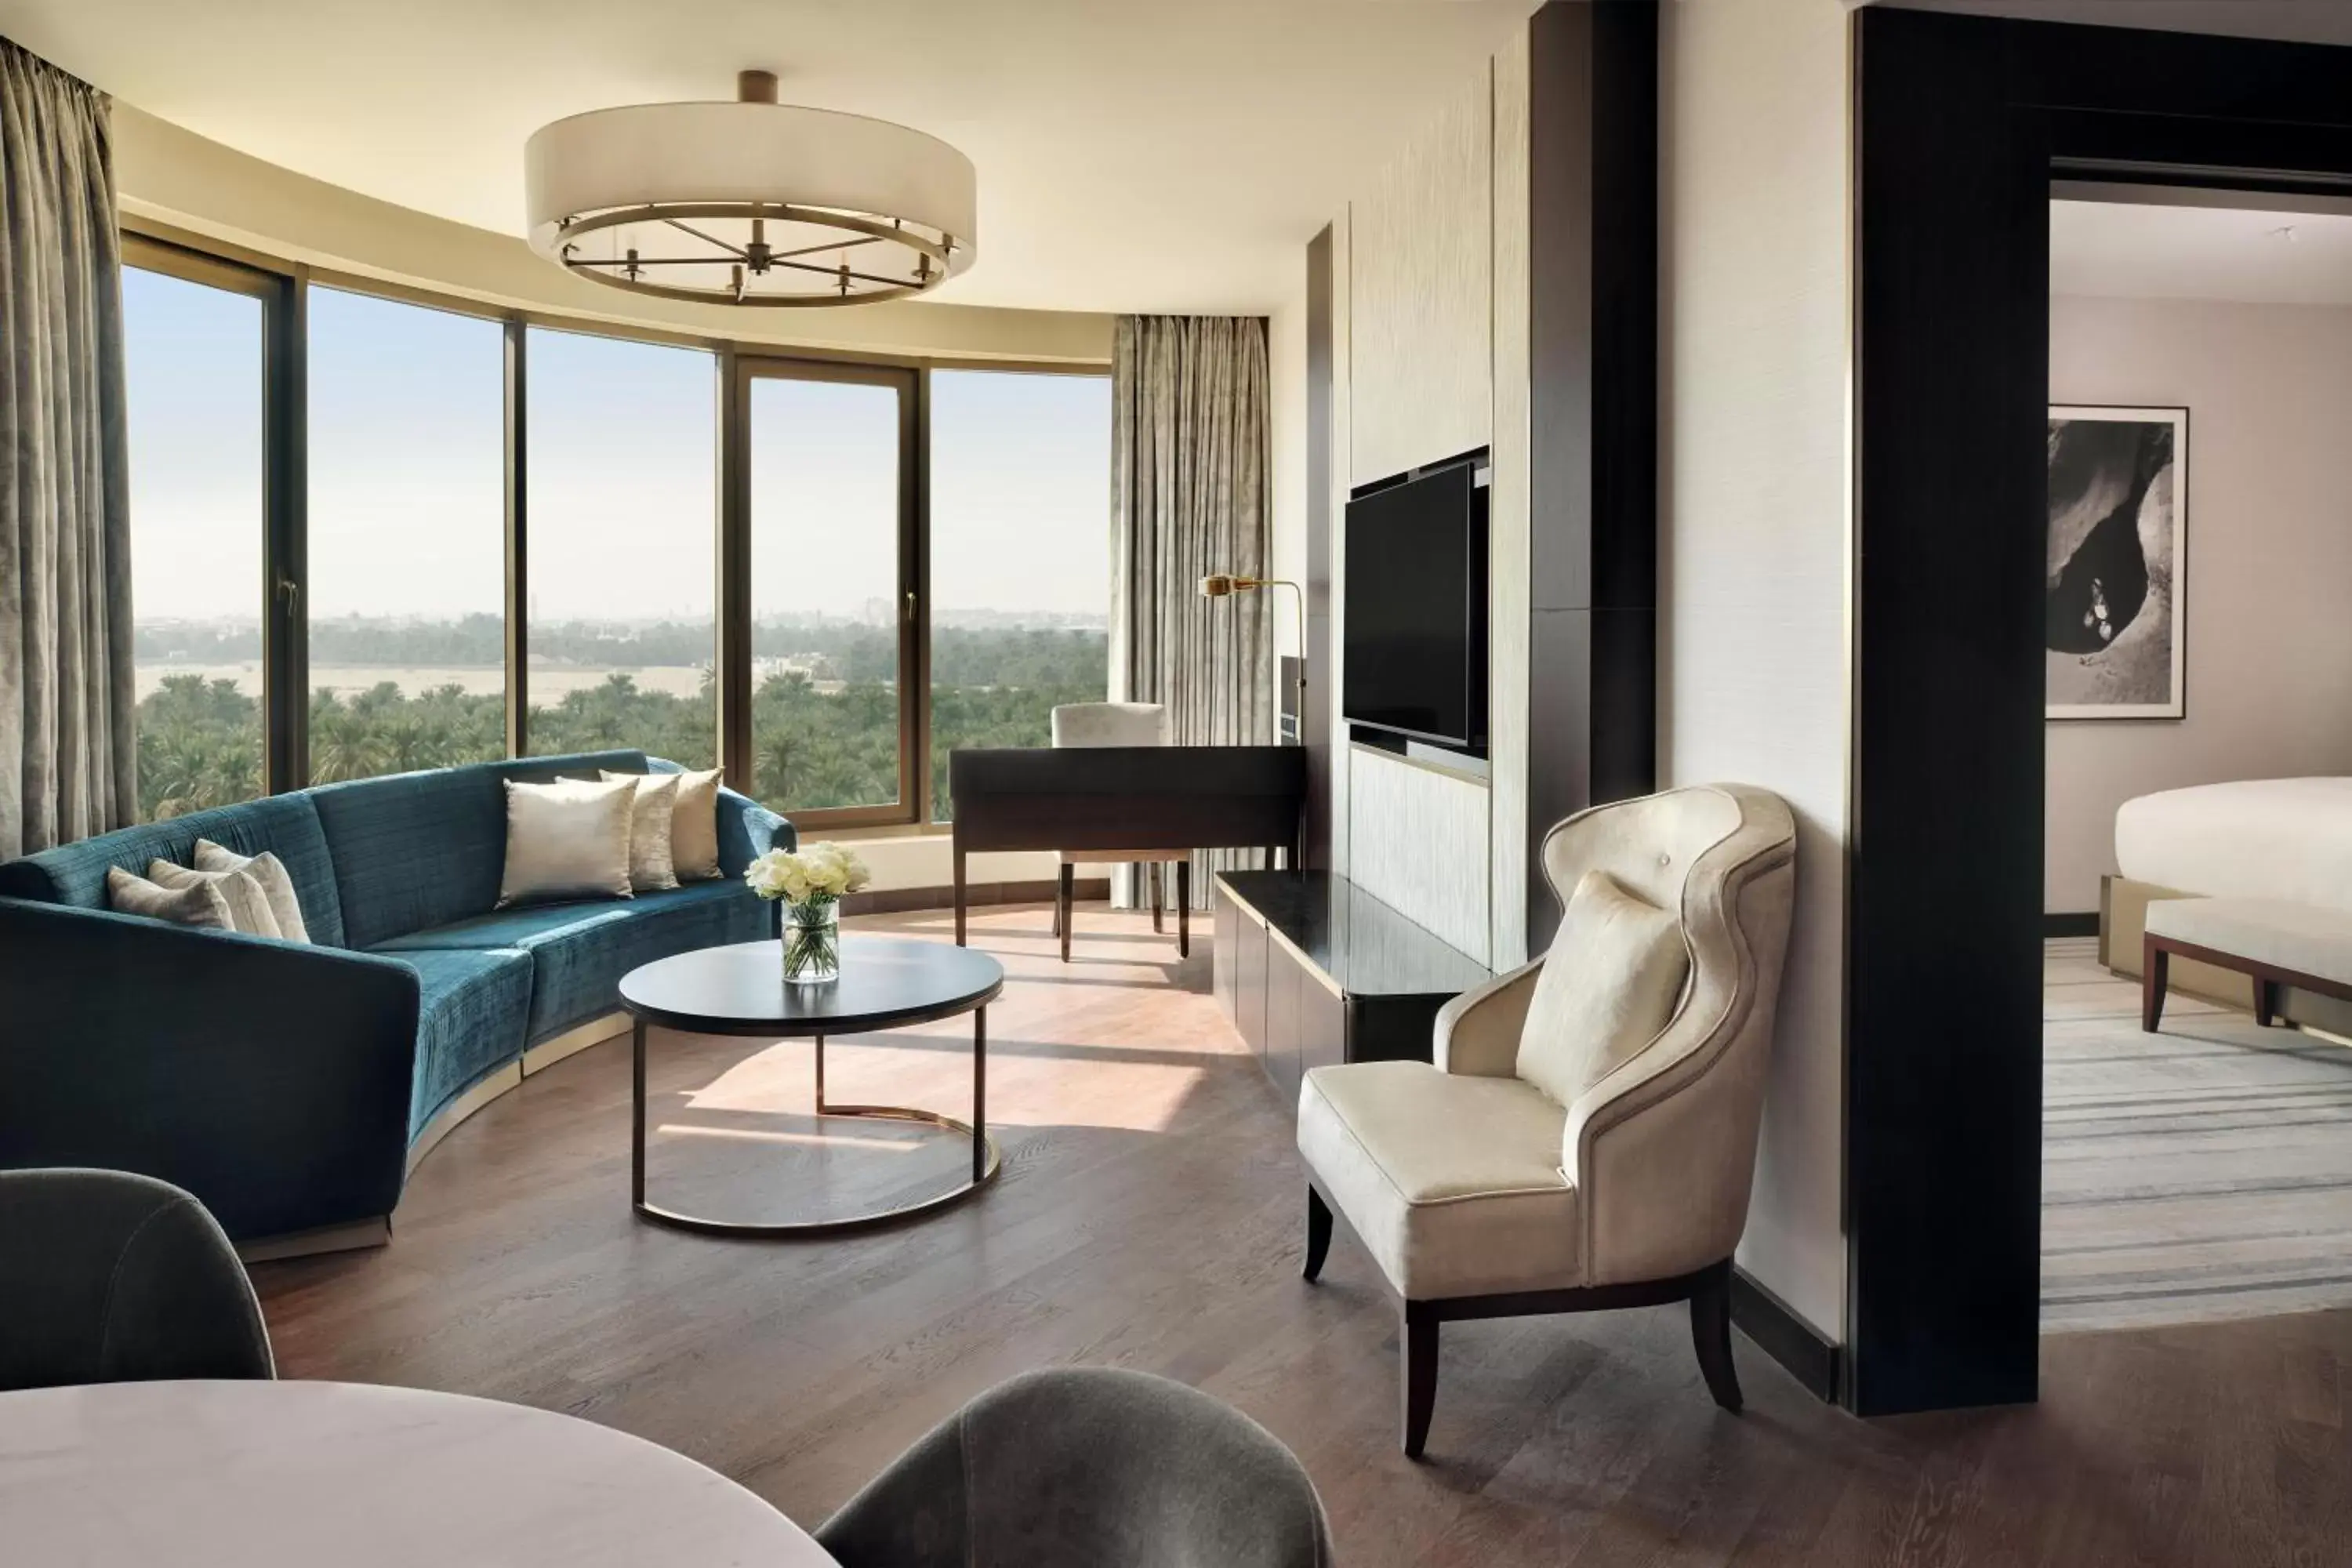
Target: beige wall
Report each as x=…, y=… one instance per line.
x=1286, y=437
x=2269, y=393
x=1756, y=538
x=173, y=176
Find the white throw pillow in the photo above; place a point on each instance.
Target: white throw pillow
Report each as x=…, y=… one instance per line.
x=276, y=883
x=650, y=868
x=694, y=826
x=1608, y=988
x=249, y=906
x=197, y=904
x=567, y=840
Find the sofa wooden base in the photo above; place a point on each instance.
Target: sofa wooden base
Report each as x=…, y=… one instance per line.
x=1708, y=1290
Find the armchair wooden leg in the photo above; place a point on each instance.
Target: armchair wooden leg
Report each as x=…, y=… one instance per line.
x=1062, y=902
x=1420, y=1383
x=1319, y=1231
x=2265, y=1001
x=1151, y=873
x=1710, y=1316
x=1183, y=909
x=2153, y=963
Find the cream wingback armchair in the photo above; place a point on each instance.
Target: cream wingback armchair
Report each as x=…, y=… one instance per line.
x=1583, y=1141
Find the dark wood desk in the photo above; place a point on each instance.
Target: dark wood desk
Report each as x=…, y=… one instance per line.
x=1113, y=798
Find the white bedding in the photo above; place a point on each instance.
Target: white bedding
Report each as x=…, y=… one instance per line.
x=2263, y=839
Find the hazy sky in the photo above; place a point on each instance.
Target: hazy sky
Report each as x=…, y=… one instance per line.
x=405, y=472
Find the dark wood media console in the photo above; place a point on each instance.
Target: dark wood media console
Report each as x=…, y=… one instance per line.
x=1313, y=970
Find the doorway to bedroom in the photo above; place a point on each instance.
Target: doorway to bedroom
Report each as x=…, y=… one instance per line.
x=2198, y=668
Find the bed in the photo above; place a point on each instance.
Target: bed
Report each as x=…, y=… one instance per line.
x=2262, y=838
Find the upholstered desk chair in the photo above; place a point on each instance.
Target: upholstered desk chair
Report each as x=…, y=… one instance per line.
x=1085, y=1468
x=1586, y=1138
x=110, y=1278
x=1123, y=724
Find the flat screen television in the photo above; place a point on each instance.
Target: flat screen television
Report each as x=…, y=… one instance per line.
x=1414, y=598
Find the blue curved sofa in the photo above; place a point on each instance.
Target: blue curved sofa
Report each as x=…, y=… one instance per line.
x=283, y=1084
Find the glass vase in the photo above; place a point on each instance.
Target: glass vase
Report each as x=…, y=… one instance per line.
x=813, y=941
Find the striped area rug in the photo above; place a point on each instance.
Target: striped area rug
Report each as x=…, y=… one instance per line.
x=2200, y=1173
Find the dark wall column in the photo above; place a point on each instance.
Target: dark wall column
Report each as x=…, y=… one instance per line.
x=1592, y=172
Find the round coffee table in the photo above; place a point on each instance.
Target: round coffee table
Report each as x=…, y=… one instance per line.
x=277, y=1474
x=886, y=982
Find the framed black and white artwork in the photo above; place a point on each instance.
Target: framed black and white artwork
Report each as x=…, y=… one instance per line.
x=2115, y=588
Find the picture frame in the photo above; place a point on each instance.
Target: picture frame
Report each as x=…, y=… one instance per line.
x=2115, y=583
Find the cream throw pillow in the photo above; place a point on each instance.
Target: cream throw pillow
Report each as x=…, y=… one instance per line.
x=650, y=871
x=197, y=904
x=567, y=840
x=694, y=826
x=276, y=883
x=249, y=906
x=1607, y=989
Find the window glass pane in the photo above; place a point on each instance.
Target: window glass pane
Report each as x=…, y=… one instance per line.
x=193, y=357
x=407, y=540
x=1020, y=556
x=825, y=593
x=623, y=446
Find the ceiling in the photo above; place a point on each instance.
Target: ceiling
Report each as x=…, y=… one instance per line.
x=1133, y=155
x=2200, y=252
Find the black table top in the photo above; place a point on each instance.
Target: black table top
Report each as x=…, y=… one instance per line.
x=1367, y=948
x=886, y=982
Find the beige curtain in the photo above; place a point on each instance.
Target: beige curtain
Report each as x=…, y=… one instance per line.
x=1189, y=454
x=68, y=758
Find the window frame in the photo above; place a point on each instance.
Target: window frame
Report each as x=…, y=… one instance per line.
x=735, y=689
x=284, y=286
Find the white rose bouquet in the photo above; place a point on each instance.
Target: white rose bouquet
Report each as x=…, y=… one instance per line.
x=810, y=884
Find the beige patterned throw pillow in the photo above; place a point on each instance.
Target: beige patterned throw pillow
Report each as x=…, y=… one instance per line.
x=276, y=883
x=197, y=904
x=249, y=906
x=567, y=840
x=650, y=871
x=694, y=827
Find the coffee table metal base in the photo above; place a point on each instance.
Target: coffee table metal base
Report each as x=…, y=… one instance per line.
x=985, y=1160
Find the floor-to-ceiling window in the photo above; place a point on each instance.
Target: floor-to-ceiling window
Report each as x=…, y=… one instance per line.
x=832, y=607
x=193, y=341
x=622, y=504
x=406, y=536
x=1020, y=546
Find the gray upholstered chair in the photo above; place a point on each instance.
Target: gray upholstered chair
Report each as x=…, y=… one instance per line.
x=1479, y=1195
x=1086, y=1468
x=1123, y=724
x=111, y=1278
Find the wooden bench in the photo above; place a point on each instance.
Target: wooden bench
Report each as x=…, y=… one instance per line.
x=2274, y=942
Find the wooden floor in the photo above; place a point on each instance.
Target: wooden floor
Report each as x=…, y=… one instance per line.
x=1149, y=1216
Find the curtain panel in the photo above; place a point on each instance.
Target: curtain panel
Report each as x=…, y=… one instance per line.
x=1189, y=497
x=67, y=755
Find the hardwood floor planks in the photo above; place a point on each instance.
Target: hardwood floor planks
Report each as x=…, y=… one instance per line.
x=1151, y=1214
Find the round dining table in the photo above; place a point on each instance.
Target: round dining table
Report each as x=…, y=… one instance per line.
x=273, y=1475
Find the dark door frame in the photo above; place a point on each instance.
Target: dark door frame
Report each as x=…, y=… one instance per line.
x=1961, y=124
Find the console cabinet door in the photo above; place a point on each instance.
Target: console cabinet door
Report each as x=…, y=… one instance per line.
x=1283, y=982
x=1224, y=951
x=1322, y=1026
x=1249, y=984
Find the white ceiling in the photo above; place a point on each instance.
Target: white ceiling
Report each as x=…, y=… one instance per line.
x=1133, y=155
x=2201, y=253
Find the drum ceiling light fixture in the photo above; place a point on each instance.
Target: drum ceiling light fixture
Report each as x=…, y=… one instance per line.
x=750, y=203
